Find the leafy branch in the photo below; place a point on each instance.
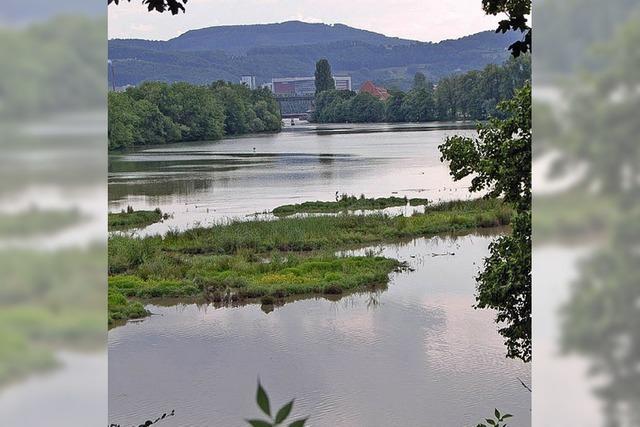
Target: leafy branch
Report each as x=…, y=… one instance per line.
x=174, y=6
x=498, y=421
x=262, y=399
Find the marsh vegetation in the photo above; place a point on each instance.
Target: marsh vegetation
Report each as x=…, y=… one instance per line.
x=236, y=261
x=130, y=218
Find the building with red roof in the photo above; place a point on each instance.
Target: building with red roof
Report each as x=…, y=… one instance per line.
x=377, y=91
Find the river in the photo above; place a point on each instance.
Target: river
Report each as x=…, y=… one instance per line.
x=413, y=354
x=205, y=182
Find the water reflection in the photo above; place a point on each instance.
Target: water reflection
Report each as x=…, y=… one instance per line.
x=418, y=348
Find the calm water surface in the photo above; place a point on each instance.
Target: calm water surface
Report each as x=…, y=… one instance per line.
x=204, y=182
x=415, y=354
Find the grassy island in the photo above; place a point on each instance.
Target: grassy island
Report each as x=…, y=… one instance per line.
x=347, y=203
x=235, y=261
x=134, y=219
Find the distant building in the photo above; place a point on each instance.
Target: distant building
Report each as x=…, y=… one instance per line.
x=342, y=82
x=377, y=91
x=305, y=85
x=249, y=81
x=267, y=85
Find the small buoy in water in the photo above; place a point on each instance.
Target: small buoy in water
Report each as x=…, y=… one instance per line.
x=254, y=149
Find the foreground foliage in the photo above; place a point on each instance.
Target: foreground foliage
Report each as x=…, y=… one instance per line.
x=280, y=417
x=500, y=162
x=347, y=203
x=497, y=421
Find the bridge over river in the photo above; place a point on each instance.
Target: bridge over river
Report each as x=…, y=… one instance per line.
x=295, y=106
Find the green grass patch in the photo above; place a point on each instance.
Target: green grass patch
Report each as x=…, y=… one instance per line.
x=238, y=277
x=309, y=233
x=347, y=203
x=120, y=308
x=130, y=218
x=290, y=256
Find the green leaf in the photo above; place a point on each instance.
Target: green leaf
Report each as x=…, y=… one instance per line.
x=497, y=413
x=259, y=423
x=489, y=421
x=507, y=416
x=298, y=423
x=263, y=400
x=284, y=412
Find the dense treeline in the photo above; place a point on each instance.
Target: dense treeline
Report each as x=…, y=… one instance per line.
x=472, y=96
x=159, y=113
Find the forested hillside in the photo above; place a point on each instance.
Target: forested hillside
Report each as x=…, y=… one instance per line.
x=289, y=49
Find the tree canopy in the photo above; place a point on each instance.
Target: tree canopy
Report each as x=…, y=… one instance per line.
x=324, y=78
x=173, y=6
x=468, y=96
x=499, y=160
x=159, y=113
x=517, y=12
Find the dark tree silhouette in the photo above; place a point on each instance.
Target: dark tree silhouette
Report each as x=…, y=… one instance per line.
x=174, y=6
x=517, y=12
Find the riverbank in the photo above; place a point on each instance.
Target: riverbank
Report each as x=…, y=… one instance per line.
x=275, y=259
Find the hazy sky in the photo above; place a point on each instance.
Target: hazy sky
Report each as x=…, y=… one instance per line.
x=425, y=20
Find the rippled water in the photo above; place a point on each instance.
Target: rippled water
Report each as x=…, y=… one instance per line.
x=207, y=181
x=416, y=354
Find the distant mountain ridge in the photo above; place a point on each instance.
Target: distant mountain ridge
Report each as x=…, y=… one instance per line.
x=238, y=39
x=292, y=48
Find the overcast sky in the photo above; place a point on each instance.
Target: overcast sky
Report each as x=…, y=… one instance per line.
x=424, y=20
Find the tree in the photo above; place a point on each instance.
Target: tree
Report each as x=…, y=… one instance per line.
x=366, y=108
x=446, y=102
x=418, y=105
x=516, y=11
x=324, y=79
x=500, y=162
x=174, y=6
x=419, y=80
x=157, y=113
x=394, y=112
